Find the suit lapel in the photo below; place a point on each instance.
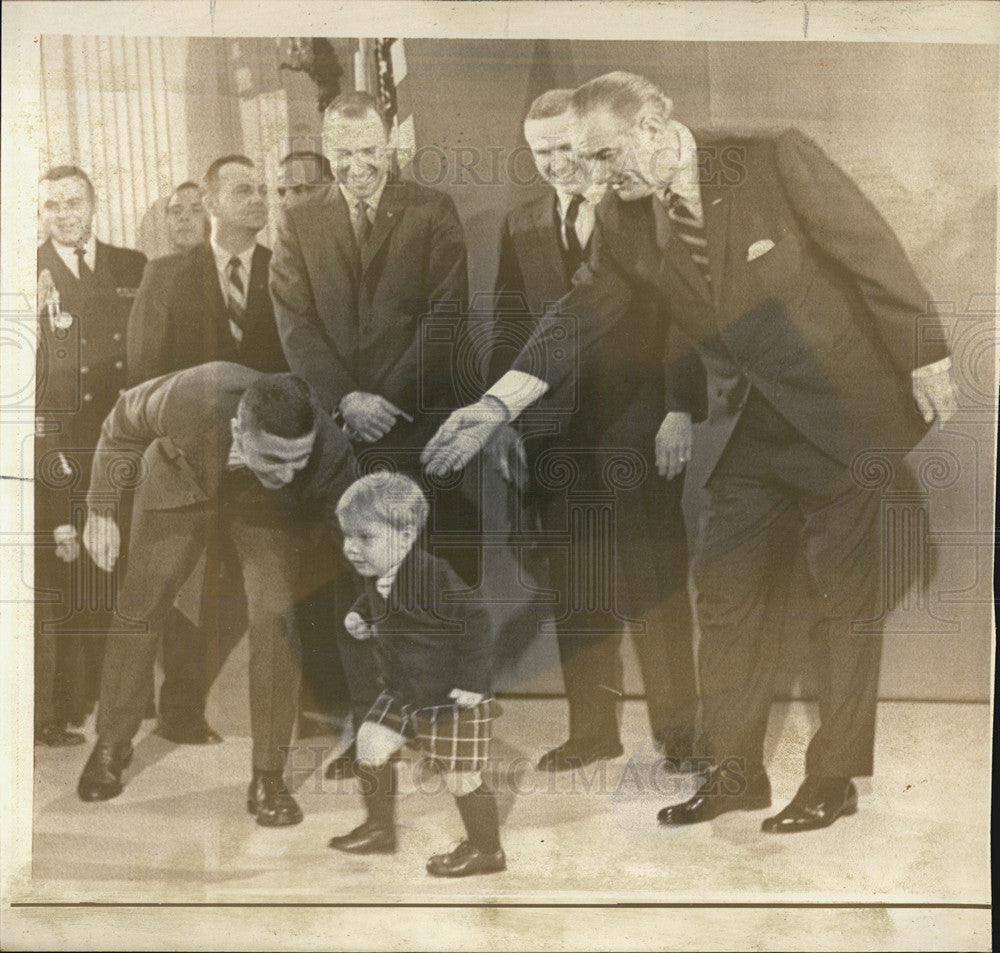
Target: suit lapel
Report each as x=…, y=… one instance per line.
x=343, y=232
x=49, y=258
x=546, y=234
x=716, y=208
x=386, y=216
x=215, y=316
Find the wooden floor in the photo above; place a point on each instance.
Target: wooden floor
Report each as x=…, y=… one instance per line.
x=180, y=834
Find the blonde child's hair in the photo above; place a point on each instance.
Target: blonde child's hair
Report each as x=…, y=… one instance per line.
x=392, y=498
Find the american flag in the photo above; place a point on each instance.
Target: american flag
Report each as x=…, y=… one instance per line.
x=381, y=70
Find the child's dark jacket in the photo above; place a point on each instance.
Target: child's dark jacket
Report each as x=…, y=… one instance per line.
x=427, y=643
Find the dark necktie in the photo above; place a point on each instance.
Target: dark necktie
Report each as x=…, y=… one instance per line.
x=236, y=297
x=691, y=232
x=363, y=225
x=573, y=245
x=83, y=269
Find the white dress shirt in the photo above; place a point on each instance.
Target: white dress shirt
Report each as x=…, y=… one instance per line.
x=68, y=254
x=585, y=216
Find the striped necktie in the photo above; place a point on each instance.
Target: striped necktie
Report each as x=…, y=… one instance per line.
x=691, y=232
x=236, y=298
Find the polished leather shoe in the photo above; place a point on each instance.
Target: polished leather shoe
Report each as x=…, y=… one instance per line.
x=55, y=736
x=466, y=860
x=101, y=778
x=343, y=765
x=576, y=753
x=268, y=798
x=368, y=838
x=818, y=803
x=197, y=734
x=725, y=789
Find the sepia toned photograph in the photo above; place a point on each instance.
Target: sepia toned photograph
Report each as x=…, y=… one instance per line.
x=525, y=482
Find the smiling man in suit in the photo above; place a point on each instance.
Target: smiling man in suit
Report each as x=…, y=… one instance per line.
x=230, y=453
x=85, y=290
x=359, y=274
x=621, y=403
x=807, y=316
x=210, y=302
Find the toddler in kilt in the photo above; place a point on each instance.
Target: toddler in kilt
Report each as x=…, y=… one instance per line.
x=434, y=660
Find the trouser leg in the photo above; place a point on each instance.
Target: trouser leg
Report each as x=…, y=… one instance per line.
x=280, y=566
x=841, y=539
x=665, y=650
x=737, y=564
x=164, y=548
x=591, y=667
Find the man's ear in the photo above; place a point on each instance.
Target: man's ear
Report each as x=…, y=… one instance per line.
x=652, y=124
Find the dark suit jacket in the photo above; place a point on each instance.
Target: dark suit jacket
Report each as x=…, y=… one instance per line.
x=825, y=323
x=603, y=424
x=626, y=376
x=428, y=645
x=180, y=319
x=179, y=425
x=355, y=319
x=80, y=370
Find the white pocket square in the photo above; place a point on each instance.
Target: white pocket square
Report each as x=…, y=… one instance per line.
x=759, y=248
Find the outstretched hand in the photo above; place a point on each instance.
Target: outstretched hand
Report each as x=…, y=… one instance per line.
x=935, y=396
x=462, y=436
x=103, y=540
x=505, y=450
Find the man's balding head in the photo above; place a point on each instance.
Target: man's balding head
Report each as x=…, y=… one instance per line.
x=626, y=135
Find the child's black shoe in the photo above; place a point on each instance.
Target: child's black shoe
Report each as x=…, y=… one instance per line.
x=466, y=860
x=369, y=838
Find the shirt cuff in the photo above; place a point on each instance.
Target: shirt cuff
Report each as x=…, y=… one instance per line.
x=517, y=391
x=938, y=367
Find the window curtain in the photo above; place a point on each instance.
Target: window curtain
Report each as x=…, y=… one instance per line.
x=141, y=115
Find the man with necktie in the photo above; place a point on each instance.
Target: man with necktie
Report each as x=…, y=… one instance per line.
x=620, y=405
x=210, y=302
x=207, y=302
x=228, y=455
x=819, y=345
x=369, y=281
x=85, y=290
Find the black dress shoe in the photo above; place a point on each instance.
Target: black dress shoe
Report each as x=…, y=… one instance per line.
x=725, y=789
x=576, y=753
x=101, y=778
x=55, y=736
x=818, y=803
x=197, y=734
x=368, y=838
x=466, y=860
x=269, y=799
x=343, y=765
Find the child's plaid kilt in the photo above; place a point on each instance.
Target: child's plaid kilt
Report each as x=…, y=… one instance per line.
x=458, y=739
